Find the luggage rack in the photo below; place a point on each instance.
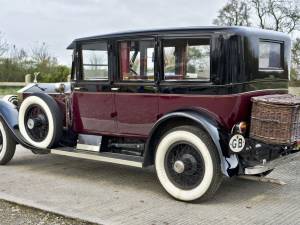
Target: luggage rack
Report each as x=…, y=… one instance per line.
x=275, y=119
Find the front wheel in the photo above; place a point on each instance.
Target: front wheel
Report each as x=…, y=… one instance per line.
x=40, y=120
x=187, y=164
x=7, y=144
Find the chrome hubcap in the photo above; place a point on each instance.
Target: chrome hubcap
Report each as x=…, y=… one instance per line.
x=30, y=124
x=37, y=124
x=178, y=166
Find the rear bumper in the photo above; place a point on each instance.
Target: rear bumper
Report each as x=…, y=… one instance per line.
x=265, y=166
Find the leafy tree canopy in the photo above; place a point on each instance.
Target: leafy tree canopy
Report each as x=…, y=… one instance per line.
x=16, y=63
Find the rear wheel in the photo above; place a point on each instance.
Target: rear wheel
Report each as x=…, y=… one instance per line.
x=7, y=144
x=187, y=164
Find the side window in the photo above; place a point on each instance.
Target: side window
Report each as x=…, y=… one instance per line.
x=95, y=61
x=187, y=59
x=270, y=55
x=136, y=60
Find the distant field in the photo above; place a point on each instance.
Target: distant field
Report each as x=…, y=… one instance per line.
x=9, y=90
x=294, y=90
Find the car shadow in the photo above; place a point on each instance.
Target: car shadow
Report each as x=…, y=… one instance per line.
x=233, y=189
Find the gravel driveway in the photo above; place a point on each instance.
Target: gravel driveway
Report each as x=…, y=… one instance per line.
x=15, y=214
x=113, y=194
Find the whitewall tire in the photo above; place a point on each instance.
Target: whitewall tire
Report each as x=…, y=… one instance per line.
x=40, y=120
x=187, y=164
x=7, y=144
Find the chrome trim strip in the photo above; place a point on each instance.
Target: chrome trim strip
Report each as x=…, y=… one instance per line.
x=97, y=158
x=272, y=164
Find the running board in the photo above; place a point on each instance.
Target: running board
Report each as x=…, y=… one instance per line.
x=127, y=160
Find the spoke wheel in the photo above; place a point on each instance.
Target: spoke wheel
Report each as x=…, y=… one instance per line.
x=37, y=125
x=40, y=120
x=187, y=164
x=184, y=165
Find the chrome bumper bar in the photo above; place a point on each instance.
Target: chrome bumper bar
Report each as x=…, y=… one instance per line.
x=258, y=169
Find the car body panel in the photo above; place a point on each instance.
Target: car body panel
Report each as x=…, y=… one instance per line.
x=135, y=109
x=93, y=112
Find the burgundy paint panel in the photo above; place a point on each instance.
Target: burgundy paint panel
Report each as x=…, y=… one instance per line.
x=222, y=108
x=136, y=113
x=93, y=112
x=226, y=109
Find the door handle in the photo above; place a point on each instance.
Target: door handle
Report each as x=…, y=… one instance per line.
x=115, y=89
x=78, y=88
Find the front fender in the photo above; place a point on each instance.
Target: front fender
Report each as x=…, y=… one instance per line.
x=206, y=122
x=9, y=114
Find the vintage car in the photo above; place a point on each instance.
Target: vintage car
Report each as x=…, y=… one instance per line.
x=179, y=99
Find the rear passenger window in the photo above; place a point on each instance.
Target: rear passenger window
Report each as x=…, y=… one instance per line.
x=270, y=55
x=187, y=59
x=136, y=60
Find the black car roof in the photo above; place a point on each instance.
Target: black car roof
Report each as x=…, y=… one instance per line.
x=181, y=30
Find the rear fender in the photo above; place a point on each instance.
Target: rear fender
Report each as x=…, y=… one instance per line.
x=206, y=122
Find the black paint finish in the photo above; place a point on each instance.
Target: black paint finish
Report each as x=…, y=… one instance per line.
x=234, y=62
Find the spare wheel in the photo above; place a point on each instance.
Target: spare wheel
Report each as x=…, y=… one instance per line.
x=40, y=120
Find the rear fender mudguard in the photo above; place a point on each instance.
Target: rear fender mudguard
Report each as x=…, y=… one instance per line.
x=209, y=124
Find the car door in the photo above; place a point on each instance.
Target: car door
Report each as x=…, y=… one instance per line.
x=136, y=100
x=93, y=101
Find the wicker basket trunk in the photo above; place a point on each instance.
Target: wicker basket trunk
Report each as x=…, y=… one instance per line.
x=275, y=119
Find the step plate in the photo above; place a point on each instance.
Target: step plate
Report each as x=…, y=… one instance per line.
x=89, y=142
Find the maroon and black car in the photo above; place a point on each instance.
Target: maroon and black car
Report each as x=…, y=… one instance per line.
x=180, y=99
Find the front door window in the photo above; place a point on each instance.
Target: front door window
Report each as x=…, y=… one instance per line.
x=95, y=61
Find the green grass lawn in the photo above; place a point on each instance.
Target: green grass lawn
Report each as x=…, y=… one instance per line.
x=294, y=90
x=9, y=90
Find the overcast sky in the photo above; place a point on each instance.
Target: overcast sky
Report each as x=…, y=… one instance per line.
x=57, y=22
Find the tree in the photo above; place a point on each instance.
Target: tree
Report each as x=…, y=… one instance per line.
x=295, y=70
x=17, y=54
x=278, y=15
x=3, y=45
x=234, y=13
x=296, y=52
x=40, y=54
x=17, y=62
